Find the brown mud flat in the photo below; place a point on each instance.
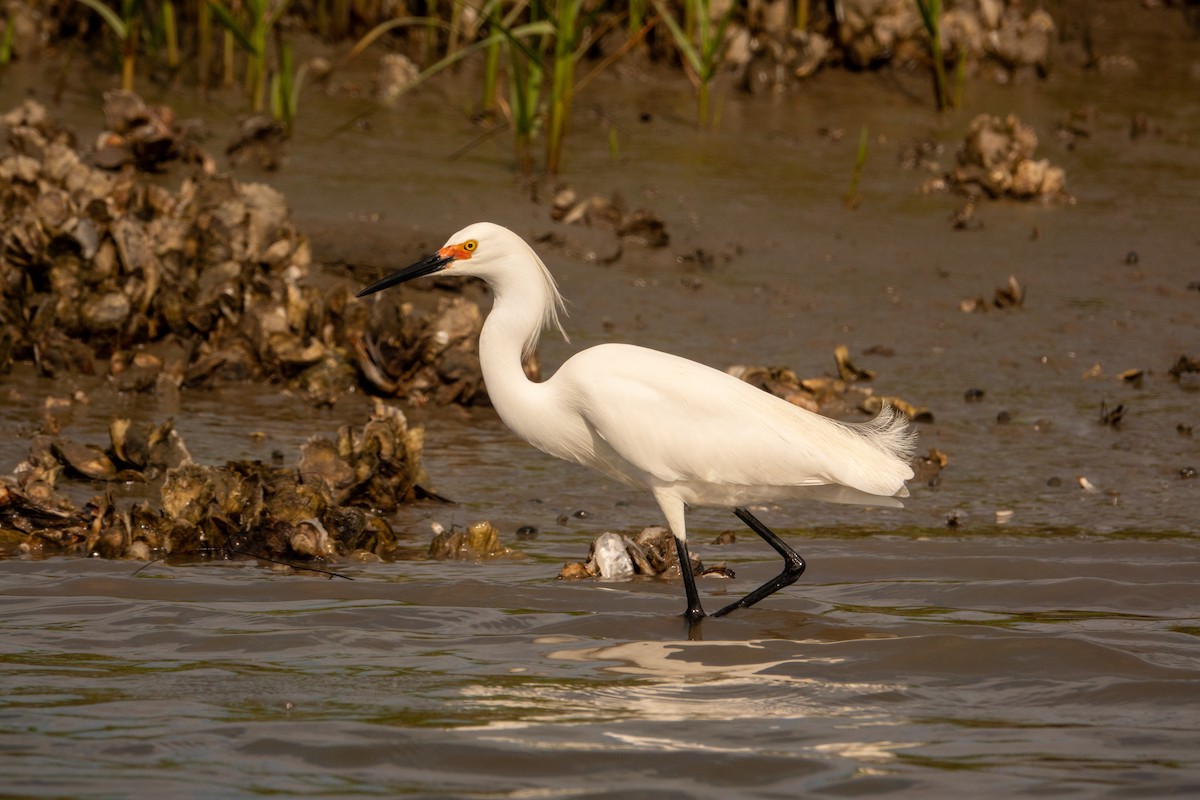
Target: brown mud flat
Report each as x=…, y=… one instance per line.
x=1047, y=648
x=165, y=292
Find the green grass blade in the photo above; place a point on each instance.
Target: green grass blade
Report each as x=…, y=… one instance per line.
x=110, y=17
x=681, y=39
x=225, y=15
x=7, y=41
x=852, y=198
x=370, y=36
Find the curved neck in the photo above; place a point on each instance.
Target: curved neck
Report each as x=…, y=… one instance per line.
x=515, y=319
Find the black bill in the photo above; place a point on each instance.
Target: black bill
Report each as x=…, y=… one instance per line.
x=425, y=266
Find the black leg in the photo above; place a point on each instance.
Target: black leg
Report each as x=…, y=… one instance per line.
x=694, y=611
x=793, y=564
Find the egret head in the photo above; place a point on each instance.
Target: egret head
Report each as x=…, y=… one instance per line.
x=498, y=256
x=470, y=252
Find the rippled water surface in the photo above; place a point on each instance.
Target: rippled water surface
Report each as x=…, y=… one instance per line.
x=1062, y=665
x=1054, y=654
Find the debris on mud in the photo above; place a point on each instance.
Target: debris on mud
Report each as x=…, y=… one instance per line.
x=1111, y=417
x=927, y=469
x=1186, y=372
x=996, y=161
x=638, y=226
x=1011, y=295
x=261, y=141
x=616, y=557
x=396, y=75
x=837, y=397
x=848, y=371
x=475, y=543
x=146, y=136
x=329, y=508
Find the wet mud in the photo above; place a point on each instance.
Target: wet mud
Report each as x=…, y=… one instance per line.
x=1027, y=620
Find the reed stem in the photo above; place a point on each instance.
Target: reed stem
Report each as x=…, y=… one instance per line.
x=931, y=16
x=171, y=34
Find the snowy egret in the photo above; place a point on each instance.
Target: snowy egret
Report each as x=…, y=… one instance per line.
x=691, y=434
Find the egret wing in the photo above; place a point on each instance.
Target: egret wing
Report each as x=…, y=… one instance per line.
x=679, y=421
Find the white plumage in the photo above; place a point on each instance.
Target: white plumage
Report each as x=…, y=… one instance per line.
x=691, y=434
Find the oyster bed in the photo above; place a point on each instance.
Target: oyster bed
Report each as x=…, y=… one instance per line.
x=106, y=272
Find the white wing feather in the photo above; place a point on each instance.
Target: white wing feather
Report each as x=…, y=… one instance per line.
x=697, y=426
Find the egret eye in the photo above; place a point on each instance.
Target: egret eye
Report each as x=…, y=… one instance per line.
x=470, y=245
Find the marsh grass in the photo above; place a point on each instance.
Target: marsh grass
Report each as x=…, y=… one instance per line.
x=6, y=39
x=253, y=28
x=170, y=34
x=123, y=25
x=204, y=45
x=701, y=43
x=853, y=199
x=530, y=51
x=285, y=85
x=931, y=18
x=567, y=36
x=538, y=43
x=526, y=75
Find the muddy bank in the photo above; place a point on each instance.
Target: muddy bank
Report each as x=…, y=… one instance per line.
x=1013, y=626
x=762, y=266
x=106, y=272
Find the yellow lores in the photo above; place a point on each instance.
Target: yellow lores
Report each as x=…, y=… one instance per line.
x=458, y=252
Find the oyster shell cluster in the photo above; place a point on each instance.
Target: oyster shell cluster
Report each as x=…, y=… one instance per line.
x=1000, y=32
x=997, y=160
x=330, y=507
x=476, y=542
x=146, y=136
x=639, y=226
x=990, y=36
x=104, y=269
x=617, y=557
x=838, y=397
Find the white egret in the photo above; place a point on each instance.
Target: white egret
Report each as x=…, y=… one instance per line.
x=691, y=434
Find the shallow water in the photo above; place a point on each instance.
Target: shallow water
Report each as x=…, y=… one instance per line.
x=1062, y=665
x=1054, y=654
